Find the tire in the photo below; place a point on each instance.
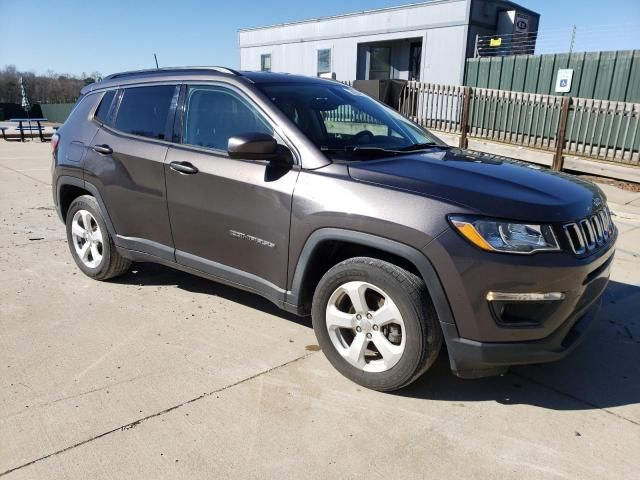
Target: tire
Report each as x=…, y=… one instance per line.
x=92, y=249
x=339, y=325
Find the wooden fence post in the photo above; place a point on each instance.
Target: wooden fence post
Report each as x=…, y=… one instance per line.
x=464, y=127
x=558, y=158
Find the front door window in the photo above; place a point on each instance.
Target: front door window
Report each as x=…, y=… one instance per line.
x=215, y=114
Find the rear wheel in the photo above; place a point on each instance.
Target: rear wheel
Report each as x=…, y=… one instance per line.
x=376, y=323
x=90, y=243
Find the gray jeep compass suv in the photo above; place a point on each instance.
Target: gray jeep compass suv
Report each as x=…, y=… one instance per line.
x=328, y=203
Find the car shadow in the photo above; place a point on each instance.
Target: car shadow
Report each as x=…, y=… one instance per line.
x=602, y=372
x=152, y=274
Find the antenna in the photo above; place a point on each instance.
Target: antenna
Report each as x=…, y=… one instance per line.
x=573, y=40
x=156, y=59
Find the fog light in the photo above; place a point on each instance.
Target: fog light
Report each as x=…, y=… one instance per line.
x=524, y=297
x=523, y=309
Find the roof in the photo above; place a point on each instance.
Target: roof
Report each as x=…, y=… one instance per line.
x=183, y=73
x=351, y=14
x=506, y=3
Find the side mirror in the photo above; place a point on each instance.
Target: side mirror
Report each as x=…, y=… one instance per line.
x=258, y=146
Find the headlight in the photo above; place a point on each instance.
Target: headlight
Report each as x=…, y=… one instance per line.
x=504, y=236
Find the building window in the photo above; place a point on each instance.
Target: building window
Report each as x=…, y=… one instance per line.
x=265, y=62
x=324, y=61
x=415, y=59
x=380, y=63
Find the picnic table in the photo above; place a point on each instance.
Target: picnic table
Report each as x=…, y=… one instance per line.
x=22, y=127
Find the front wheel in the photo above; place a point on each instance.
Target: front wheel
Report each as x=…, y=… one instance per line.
x=376, y=323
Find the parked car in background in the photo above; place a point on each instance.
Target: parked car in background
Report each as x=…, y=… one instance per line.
x=331, y=204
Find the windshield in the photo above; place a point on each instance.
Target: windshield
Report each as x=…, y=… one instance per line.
x=343, y=122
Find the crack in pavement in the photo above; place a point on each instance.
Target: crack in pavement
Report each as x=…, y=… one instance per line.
x=573, y=397
x=137, y=422
x=24, y=174
x=32, y=243
x=36, y=406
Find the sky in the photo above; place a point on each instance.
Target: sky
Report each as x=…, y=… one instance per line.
x=76, y=36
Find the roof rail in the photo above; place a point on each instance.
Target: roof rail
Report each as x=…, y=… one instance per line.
x=165, y=70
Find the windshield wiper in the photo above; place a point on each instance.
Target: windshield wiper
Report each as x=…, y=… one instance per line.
x=375, y=150
x=381, y=152
x=424, y=146
x=360, y=150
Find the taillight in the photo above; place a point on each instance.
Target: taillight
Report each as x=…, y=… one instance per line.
x=55, y=139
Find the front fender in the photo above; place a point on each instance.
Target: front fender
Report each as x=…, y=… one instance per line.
x=412, y=255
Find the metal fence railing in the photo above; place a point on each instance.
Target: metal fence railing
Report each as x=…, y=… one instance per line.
x=604, y=129
x=434, y=106
x=345, y=113
x=600, y=129
x=525, y=119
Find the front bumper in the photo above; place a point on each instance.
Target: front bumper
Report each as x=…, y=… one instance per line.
x=473, y=359
x=478, y=343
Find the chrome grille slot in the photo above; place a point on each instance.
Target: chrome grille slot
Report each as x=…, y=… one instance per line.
x=605, y=224
x=597, y=229
x=576, y=239
x=587, y=234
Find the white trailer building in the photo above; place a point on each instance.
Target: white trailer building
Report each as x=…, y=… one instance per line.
x=426, y=41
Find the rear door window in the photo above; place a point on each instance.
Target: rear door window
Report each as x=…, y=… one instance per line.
x=215, y=114
x=143, y=111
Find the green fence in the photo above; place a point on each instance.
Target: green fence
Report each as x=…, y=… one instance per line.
x=601, y=129
x=596, y=75
x=56, y=112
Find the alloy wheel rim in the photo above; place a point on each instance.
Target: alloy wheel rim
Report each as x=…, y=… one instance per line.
x=87, y=238
x=365, y=326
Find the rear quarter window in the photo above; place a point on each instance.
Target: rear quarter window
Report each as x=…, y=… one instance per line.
x=143, y=111
x=102, y=113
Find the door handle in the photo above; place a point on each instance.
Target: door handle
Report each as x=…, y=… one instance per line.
x=102, y=149
x=183, y=167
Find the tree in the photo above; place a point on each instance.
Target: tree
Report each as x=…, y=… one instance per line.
x=48, y=88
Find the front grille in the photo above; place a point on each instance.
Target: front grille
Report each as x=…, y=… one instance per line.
x=587, y=234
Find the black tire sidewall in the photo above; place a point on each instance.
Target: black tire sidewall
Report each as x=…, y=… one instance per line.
x=414, y=353
x=89, y=203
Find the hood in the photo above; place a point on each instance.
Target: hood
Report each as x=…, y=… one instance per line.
x=488, y=184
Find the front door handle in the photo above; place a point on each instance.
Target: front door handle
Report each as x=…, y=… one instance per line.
x=102, y=149
x=183, y=167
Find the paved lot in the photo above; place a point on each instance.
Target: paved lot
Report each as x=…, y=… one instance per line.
x=162, y=375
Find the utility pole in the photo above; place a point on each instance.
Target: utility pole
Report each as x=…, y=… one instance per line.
x=573, y=39
x=156, y=59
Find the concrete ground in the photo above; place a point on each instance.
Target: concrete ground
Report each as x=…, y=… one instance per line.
x=160, y=374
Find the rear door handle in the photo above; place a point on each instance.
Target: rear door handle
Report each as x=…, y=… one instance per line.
x=183, y=167
x=102, y=149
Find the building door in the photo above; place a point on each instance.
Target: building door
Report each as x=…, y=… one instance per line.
x=415, y=60
x=380, y=63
